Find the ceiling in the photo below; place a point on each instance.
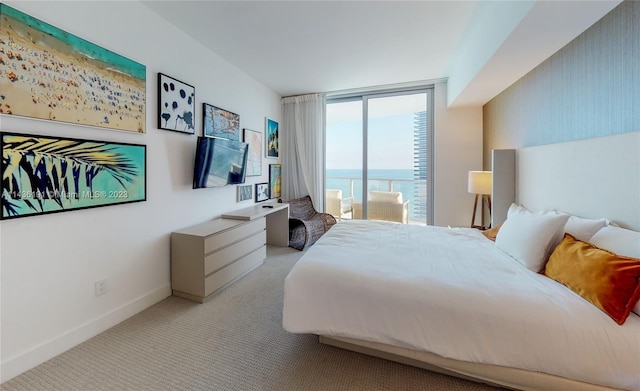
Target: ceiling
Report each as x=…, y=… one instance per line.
x=298, y=47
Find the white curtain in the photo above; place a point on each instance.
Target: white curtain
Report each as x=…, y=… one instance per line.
x=303, y=148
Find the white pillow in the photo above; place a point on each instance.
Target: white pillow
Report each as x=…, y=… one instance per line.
x=580, y=228
x=620, y=241
x=583, y=229
x=519, y=209
x=515, y=209
x=530, y=238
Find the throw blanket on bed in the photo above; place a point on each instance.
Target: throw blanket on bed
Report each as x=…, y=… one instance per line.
x=452, y=293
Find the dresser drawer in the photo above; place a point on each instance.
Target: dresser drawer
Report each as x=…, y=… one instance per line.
x=214, y=242
x=231, y=272
x=225, y=256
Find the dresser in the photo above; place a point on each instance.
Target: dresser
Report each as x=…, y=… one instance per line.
x=208, y=257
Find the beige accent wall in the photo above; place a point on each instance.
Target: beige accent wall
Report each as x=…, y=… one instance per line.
x=457, y=150
x=587, y=89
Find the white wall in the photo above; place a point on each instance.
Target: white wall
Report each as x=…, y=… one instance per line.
x=489, y=28
x=458, y=150
x=50, y=262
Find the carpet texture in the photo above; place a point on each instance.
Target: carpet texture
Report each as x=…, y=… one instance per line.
x=235, y=341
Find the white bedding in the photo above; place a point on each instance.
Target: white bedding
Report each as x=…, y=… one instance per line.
x=452, y=293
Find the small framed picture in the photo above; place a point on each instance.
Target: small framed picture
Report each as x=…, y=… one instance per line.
x=220, y=123
x=275, y=171
x=254, y=158
x=262, y=192
x=245, y=192
x=272, y=141
x=176, y=105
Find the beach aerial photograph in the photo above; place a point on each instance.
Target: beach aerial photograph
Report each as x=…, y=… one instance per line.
x=47, y=73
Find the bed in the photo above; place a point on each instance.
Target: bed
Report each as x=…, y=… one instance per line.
x=451, y=300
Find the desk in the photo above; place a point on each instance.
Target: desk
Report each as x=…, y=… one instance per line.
x=277, y=219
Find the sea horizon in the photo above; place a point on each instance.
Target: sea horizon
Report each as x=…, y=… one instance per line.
x=378, y=173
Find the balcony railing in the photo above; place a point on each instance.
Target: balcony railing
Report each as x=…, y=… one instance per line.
x=411, y=189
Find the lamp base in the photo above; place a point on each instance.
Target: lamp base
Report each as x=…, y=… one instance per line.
x=485, y=200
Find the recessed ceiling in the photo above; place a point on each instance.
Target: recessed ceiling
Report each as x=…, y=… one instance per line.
x=299, y=47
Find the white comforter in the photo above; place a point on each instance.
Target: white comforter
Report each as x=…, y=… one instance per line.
x=452, y=293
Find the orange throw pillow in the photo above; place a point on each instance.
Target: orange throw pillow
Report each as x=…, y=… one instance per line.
x=610, y=282
x=491, y=233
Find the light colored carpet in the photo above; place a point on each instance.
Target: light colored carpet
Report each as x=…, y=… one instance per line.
x=235, y=341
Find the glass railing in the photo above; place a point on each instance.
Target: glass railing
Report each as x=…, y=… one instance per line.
x=414, y=190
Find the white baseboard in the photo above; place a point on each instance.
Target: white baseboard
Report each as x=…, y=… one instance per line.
x=37, y=355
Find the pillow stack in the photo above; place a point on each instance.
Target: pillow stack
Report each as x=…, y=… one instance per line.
x=599, y=262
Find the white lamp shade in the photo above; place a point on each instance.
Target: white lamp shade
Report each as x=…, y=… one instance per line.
x=480, y=182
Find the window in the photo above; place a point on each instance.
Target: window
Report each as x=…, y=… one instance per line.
x=382, y=143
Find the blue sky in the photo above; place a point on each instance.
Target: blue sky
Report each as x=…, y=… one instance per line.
x=390, y=132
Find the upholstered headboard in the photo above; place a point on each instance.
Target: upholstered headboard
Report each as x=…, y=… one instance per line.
x=592, y=178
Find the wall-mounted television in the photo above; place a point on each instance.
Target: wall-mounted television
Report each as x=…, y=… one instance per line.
x=219, y=162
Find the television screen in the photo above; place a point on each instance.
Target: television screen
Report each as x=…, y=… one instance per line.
x=219, y=162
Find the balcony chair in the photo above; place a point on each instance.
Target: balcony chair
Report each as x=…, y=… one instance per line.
x=337, y=206
x=306, y=225
x=384, y=205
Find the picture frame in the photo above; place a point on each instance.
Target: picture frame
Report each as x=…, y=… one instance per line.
x=272, y=141
x=262, y=192
x=221, y=123
x=64, y=78
x=49, y=174
x=176, y=105
x=254, y=158
x=275, y=174
x=245, y=192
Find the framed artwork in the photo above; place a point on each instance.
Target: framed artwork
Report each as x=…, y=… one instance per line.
x=47, y=174
x=245, y=192
x=273, y=147
x=54, y=75
x=254, y=158
x=176, y=105
x=220, y=123
x=262, y=192
x=275, y=171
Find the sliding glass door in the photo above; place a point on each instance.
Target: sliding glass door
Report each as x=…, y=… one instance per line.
x=378, y=151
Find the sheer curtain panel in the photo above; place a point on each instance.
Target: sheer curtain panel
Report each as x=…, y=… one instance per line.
x=303, y=148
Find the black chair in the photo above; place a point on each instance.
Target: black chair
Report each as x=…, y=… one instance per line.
x=306, y=225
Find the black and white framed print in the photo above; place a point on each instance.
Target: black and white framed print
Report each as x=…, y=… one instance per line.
x=176, y=105
x=245, y=192
x=262, y=192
